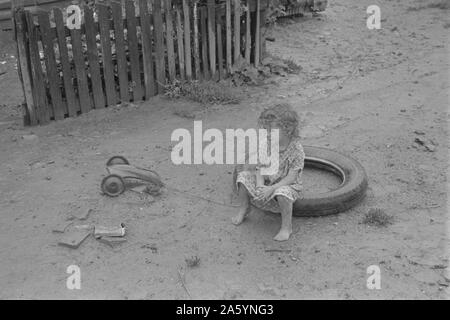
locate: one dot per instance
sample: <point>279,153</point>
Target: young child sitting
<point>277,192</point>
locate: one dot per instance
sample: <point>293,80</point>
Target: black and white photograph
<point>240,152</point>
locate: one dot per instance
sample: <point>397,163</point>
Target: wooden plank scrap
<point>74,238</point>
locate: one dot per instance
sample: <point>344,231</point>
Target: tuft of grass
<point>293,67</point>
<point>184,114</point>
<point>192,262</point>
<point>378,218</point>
<point>205,92</point>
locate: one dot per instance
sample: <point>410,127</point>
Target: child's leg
<point>244,200</point>
<point>286,218</point>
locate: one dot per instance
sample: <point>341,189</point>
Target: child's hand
<point>259,179</point>
<point>264,193</point>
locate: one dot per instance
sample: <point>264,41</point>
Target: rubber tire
<point>346,196</point>
<point>104,185</point>
<point>116,160</point>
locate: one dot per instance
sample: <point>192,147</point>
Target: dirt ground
<point>368,93</point>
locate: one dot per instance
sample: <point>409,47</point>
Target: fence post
<point>147,45</point>
<point>38,82</point>
<point>158,26</point>
<point>71,99</point>
<point>52,73</point>
<point>258,33</point>
<point>228,34</point>
<point>237,30</point>
<point>180,45</point>
<point>23,64</point>
<point>169,39</point>
<point>205,64</point>
<point>248,38</point>
<point>92,55</point>
<point>133,50</point>
<point>220,49</point>
<point>196,44</point>
<point>122,64</point>
<point>187,39</point>
<point>264,8</point>
<point>212,36</point>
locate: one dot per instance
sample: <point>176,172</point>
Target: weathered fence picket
<point>80,68</point>
<point>196,41</point>
<point>205,62</point>
<point>121,59</point>
<point>105,40</point>
<point>169,40</point>
<point>187,39</point>
<point>147,50</point>
<point>133,49</point>
<point>92,53</point>
<point>212,36</point>
<point>220,50</point>
<point>122,53</point>
<point>180,43</point>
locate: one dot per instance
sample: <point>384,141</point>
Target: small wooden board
<point>74,238</point>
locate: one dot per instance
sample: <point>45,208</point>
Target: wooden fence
<point>300,7</point>
<point>126,52</point>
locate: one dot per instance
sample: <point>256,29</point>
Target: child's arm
<point>289,179</point>
<point>268,190</point>
<point>259,178</point>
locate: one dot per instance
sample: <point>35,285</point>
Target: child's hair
<point>283,115</point>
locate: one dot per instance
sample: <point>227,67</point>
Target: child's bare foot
<point>239,218</point>
<point>283,235</point>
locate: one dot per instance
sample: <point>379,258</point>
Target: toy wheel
<point>113,185</point>
<point>116,160</point>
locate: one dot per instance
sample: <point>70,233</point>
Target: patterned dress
<point>292,158</point>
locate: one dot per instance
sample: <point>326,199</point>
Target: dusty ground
<point>363,92</point>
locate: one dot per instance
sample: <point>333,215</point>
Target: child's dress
<point>292,158</point>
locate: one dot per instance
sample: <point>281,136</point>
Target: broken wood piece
<point>277,250</point>
<point>62,226</point>
<point>74,238</point>
<point>86,227</point>
<point>112,241</point>
<point>100,231</point>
